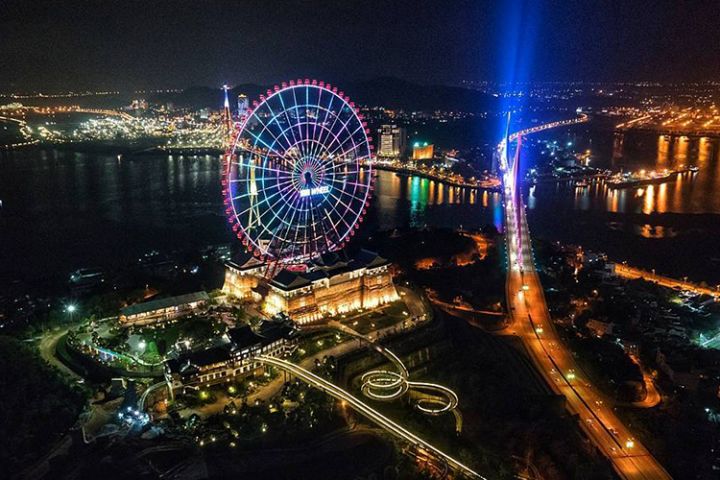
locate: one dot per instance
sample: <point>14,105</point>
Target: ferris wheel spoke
<point>350,138</point>
<point>341,215</point>
<point>285,237</point>
<point>337,115</point>
<point>328,111</point>
<point>317,144</point>
<point>296,108</point>
<point>259,137</point>
<point>266,225</point>
<point>287,119</point>
<point>280,127</point>
<point>265,198</point>
<point>343,127</point>
<point>340,218</point>
<point>269,147</point>
<point>349,194</point>
<point>298,129</point>
<point>273,228</point>
<point>315,223</point>
<point>265,168</point>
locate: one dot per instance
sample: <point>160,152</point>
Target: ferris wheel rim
<point>353,202</point>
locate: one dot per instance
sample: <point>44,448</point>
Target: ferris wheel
<point>297,179</point>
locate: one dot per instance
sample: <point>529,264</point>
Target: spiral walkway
<point>387,385</point>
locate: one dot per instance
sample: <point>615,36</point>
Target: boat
<point>642,177</point>
<point>582,183</point>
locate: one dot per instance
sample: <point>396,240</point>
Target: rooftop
<point>327,266</point>
<point>161,303</point>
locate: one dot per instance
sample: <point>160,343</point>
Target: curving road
<point>531,321</point>
<point>370,413</point>
<point>383,385</point>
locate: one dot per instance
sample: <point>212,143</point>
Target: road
<point>369,413</point>
<point>653,397</point>
<point>47,346</point>
<point>531,321</point>
<point>625,271</point>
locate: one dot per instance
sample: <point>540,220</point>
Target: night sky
<point>61,45</point>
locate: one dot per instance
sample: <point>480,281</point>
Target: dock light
<point>571,375</point>
<point>70,308</point>
<point>526,287</point>
<point>630,443</point>
<point>538,330</point>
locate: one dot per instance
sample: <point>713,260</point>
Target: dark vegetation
<point>481,283</point>
<point>37,405</point>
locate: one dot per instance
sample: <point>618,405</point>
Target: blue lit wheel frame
<point>297,178</point>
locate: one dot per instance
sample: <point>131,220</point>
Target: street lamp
<point>71,310</point>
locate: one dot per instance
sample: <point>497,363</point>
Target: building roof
<point>161,303</point>
<point>243,337</point>
<point>327,266</point>
<point>370,259</point>
<point>245,261</point>
<point>200,358</point>
<point>273,330</point>
<point>288,280</point>
<point>240,339</point>
<point>267,332</point>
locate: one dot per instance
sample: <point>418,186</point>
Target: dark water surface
<point>63,210</point>
<point>673,227</point>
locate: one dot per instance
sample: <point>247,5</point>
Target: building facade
<point>391,141</point>
<point>330,286</point>
<point>423,151</point>
<point>235,357</point>
<point>161,310</point>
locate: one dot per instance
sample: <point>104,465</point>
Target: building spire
<point>227,101</point>
<point>227,118</point>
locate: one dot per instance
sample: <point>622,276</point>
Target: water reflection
<point>663,151</point>
<point>416,201</point>
<point>691,192</point>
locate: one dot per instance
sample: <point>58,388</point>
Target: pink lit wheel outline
<point>297,179</point>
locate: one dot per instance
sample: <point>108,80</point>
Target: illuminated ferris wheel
<point>297,179</point>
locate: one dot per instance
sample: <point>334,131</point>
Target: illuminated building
<point>422,151</point>
<point>330,285</point>
<point>391,141</point>
<point>227,117</point>
<point>164,309</point>
<point>242,102</point>
<point>233,357</point>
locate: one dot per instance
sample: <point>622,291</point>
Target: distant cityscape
<point>462,251</point>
